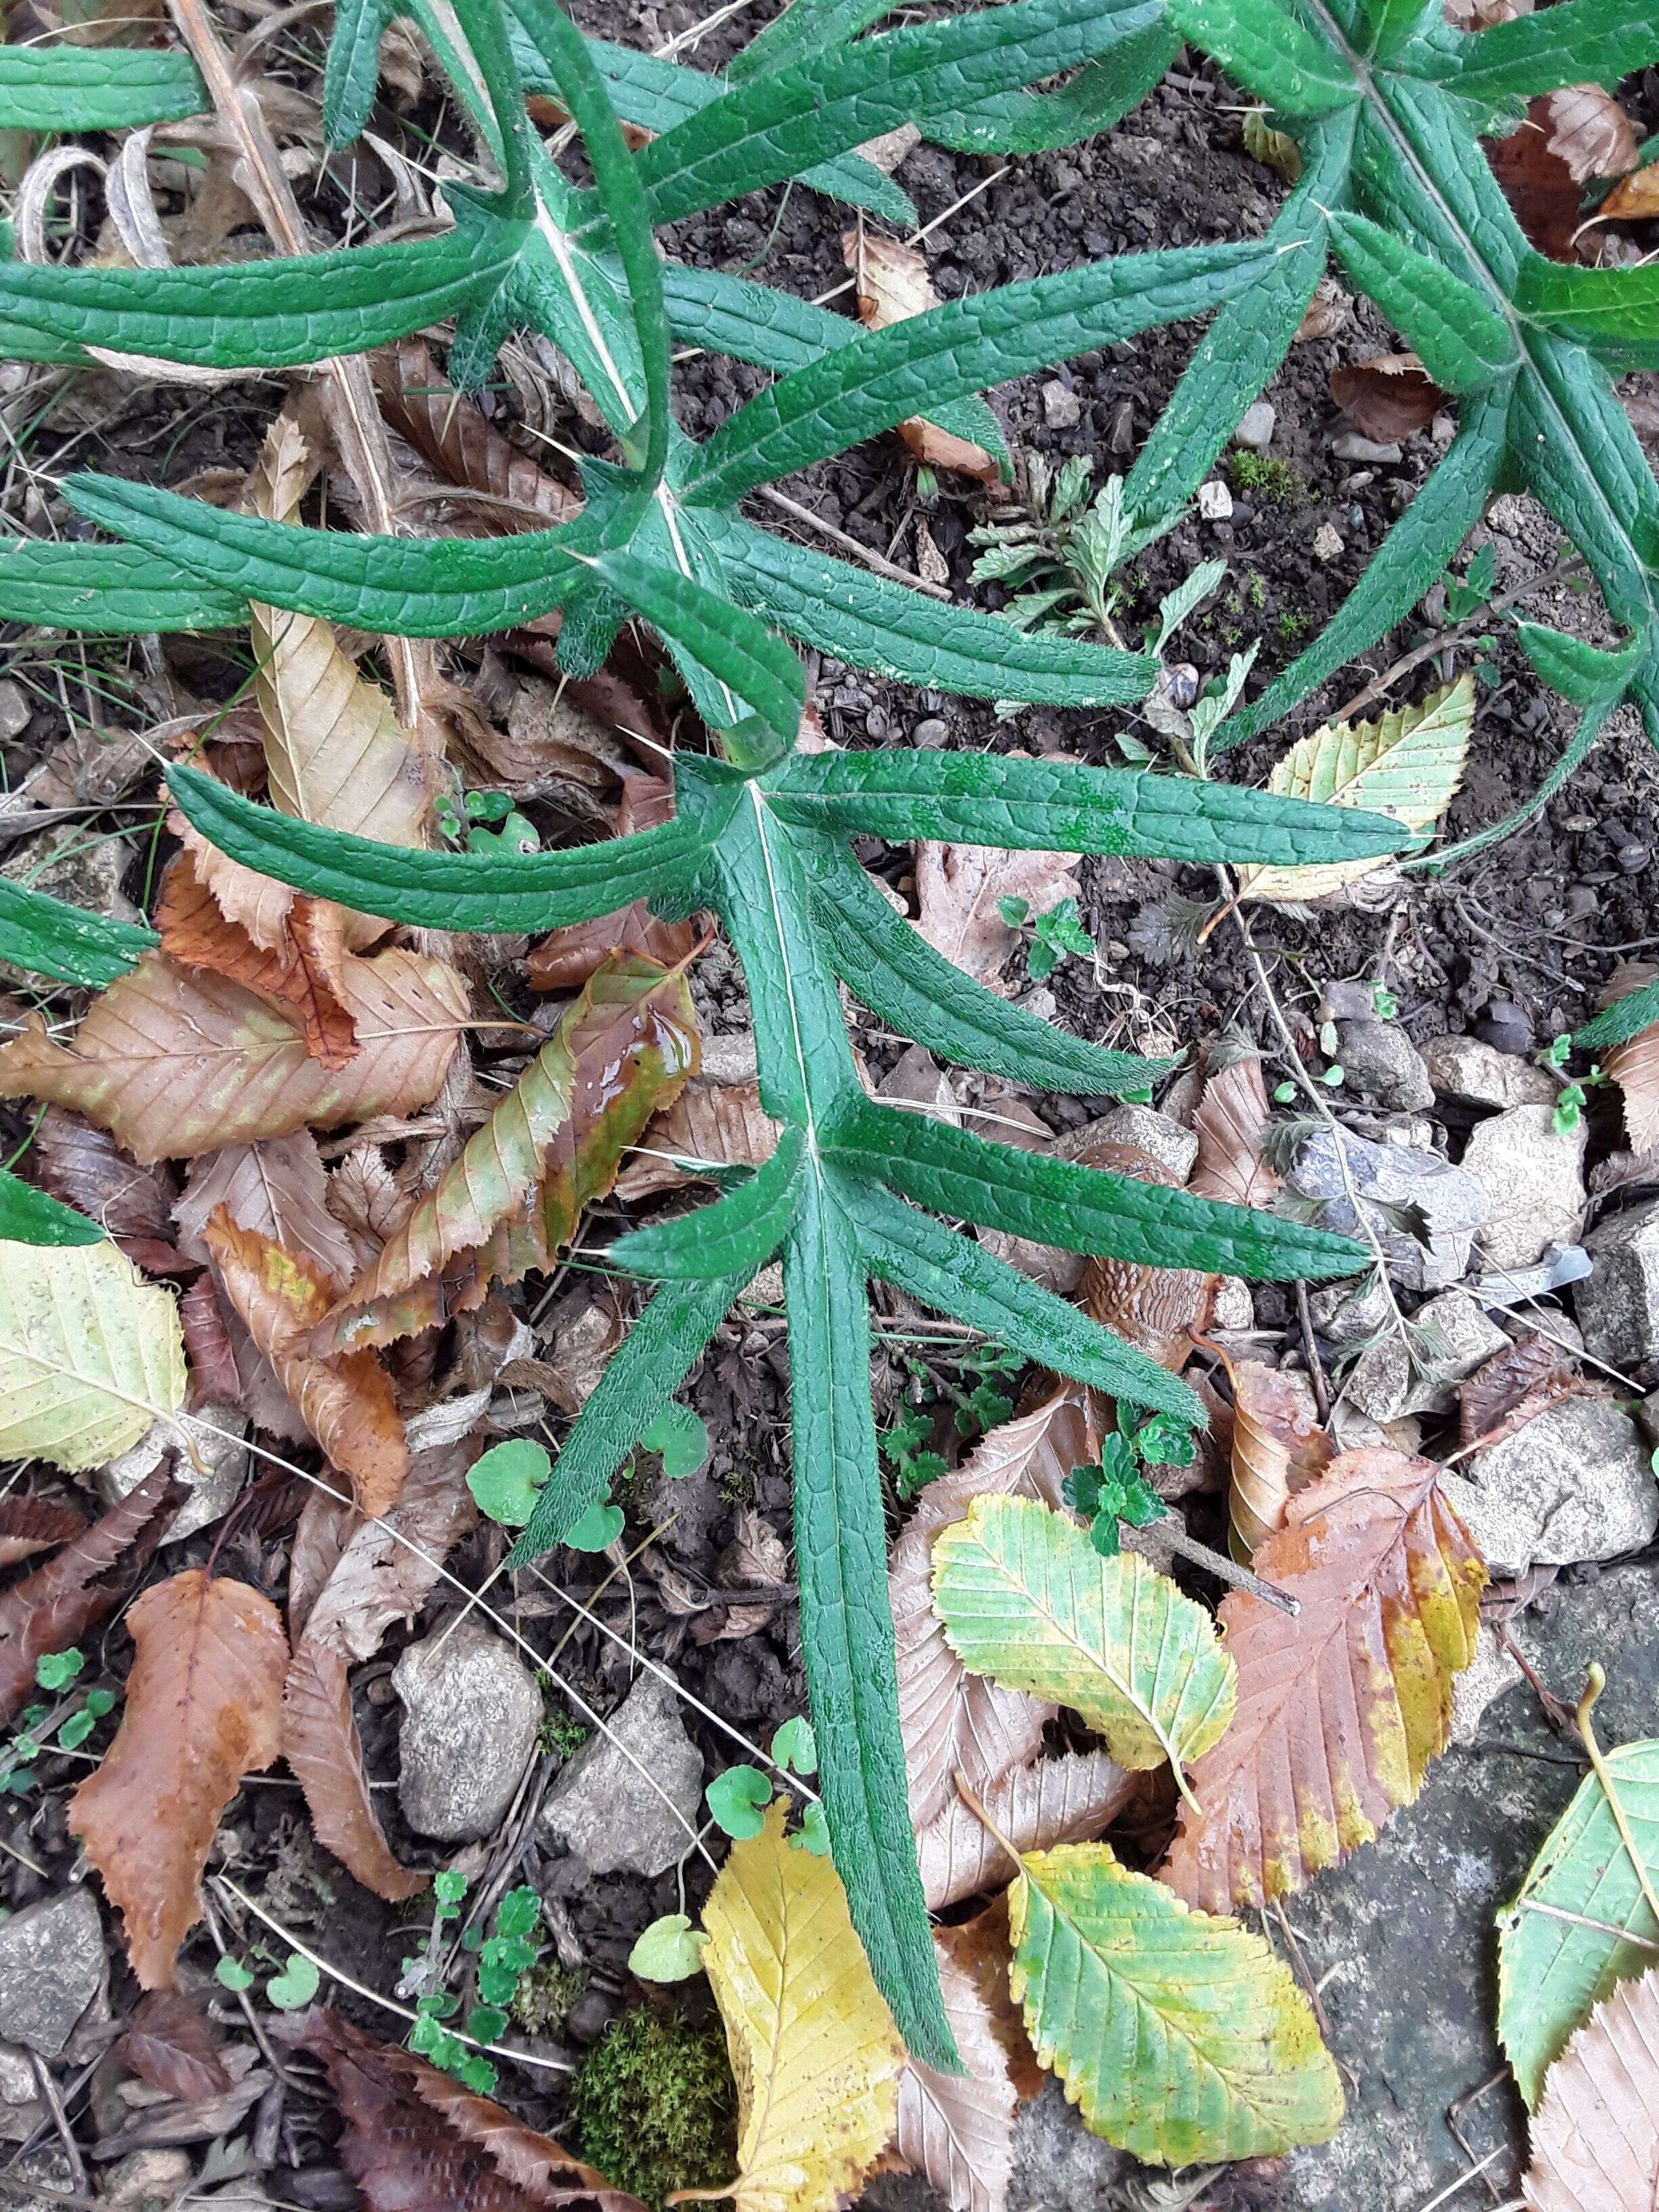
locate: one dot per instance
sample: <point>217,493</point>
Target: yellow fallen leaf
<point>90,1354</point>
<point>1408,764</point>
<point>814,2051</point>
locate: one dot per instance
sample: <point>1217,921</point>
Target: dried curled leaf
<point>1228,1121</point>
<point>571,956</point>
<point>171,2045</point>
<point>814,2051</point>
<point>1278,1448</point>
<point>453,437</point>
<point>1179,2038</point>
<point>1390,398</point>
<point>87,1170</point>
<point>383,1570</point>
<point>893,284</point>
<point>1025,1598</point>
<point>176,1061</point>
<point>1633,1064</point>
<point>53,1607</point>
<point>721,1124</point>
<point>1568,136</point>
<point>952,1719</point>
<point>1158,1309</point>
<point>958,2129</point>
<point>202,1708</point>
<point>1408,764</point>
<point>320,1744</point>
<point>1511,1385</point>
<point>513,1199</point>
<point>90,1354</point>
<point>415,2141</point>
<point>303,974</point>
<point>278,1188</point>
<point>346,1402</point>
<point>28,1525</point>
<point>1595,2136</point>
<point>1341,1708</point>
<point>1068,1800</point>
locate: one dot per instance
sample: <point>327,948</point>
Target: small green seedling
<point>507,1480</point>
<point>794,1746</point>
<point>296,1985</point>
<point>1053,935</point>
<point>737,1799</point>
<point>679,1437</point>
<point>669,1950</point>
<point>596,1529</point>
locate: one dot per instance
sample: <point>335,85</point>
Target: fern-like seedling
<point>761,833</point>
<point>1061,562</point>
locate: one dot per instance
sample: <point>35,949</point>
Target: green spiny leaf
<point>28,1216</point>
<point>1579,42</point>
<point>105,588</point>
<point>737,1235</point>
<point>1264,47</point>
<point>1463,344</point>
<point>51,938</point>
<point>95,88</point>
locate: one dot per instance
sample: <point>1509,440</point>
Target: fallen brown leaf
<point>722,1123</point>
<point>28,1525</point>
<point>1228,1122</point>
<point>571,956</point>
<point>1634,1065</point>
<point>451,436</point>
<point>1596,2135</point>
<point>415,2141</point>
<point>1634,198</point>
<point>957,887</point>
<point>1568,137</point>
<point>514,1198</point>
<point>176,1062</point>
<point>87,1170</point>
<point>1068,1800</point>
<point>53,1607</point>
<point>305,975</point>
<point>171,2045</point>
<point>952,1719</point>
<point>320,1744</point>
<point>1390,398</point>
<point>346,1401</point>
<point>1341,1708</point>
<point>1278,1448</point>
<point>215,1378</point>
<point>1530,1372</point>
<point>386,1569</point>
<point>958,2129</point>
<point>278,1188</point>
<point>203,1708</point>
<point>892,285</point>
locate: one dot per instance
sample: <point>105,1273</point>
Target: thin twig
<point>1479,620</point>
<point>877,562</point>
<point>1169,1528</point>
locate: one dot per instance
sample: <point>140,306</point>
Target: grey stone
<point>1478,1074</point>
<point>1328,543</point>
<point>1381,1062</point>
<point>1400,1938</point>
<point>1618,1304</point>
<point>470,1713</point>
<point>1574,1484</point>
<point>729,1058</point>
<point>1456,1338</point>
<point>1256,426</point>
<point>1062,408</point>
<point>1215,501</point>
<point>1173,1147</point>
<point>65,867</point>
<point>1396,1183</point>
<point>51,1964</point>
<point>1534,1174</point>
<point>217,1432</point>
<point>1234,1308</point>
<point>629,1801</point>
<point>1351,446</point>
<point>1343,1314</point>
<point>152,2177</point>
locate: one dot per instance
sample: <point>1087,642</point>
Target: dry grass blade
<point>1228,1121</point>
<point>174,1063</point>
<point>451,436</point>
<point>305,974</point>
<point>54,1606</point>
<point>171,2047</point>
<point>1596,2135</point>
<point>1341,1708</point>
<point>513,1199</point>
<point>1278,1448</point>
<point>1068,1800</point>
<point>1158,1309</point>
<point>202,1708</point>
<point>957,2129</point>
<point>345,1402</point>
<point>723,1124</point>
<point>279,1188</point>
<point>951,1719</point>
<point>320,1744</point>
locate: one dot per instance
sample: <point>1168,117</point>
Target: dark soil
<point>1514,943</point>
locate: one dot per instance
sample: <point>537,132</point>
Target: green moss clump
<point>545,1995</point>
<point>1270,481</point>
<point>654,2107</point>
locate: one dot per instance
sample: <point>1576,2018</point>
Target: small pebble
<point>1327,544</point>
<point>932,733</point>
<point>1255,426</point>
<point>1062,408</point>
<point>1215,501</point>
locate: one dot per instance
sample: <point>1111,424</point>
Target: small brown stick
<point>54,2104</point>
<point>1173,1530</point>
<point>1322,1388</point>
<point>1479,620</point>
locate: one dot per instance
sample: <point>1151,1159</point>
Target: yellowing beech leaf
<point>1340,1708</point>
<point>1179,2037</point>
<point>1025,1598</point>
<point>814,2051</point>
<point>203,1708</point>
<point>90,1354</point>
<point>334,750</point>
<point>346,1400</point>
<point>175,1061</point>
<point>1279,1446</point>
<point>1595,2136</point>
<point>1409,765</point>
<point>622,1049</point>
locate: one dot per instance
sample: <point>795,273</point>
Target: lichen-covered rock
<point>470,1713</point>
<point>51,1963</point>
<point>627,1801</point>
<point>1617,1303</point>
<point>1574,1484</point>
<point>1533,1175</point>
